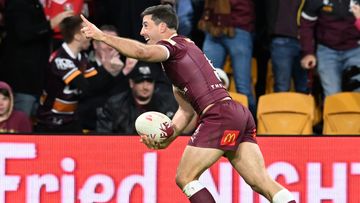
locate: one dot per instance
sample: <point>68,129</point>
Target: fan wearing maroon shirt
<point>11,121</point>
<point>226,127</point>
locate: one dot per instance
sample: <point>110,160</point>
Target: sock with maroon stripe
<point>202,196</point>
<point>197,193</point>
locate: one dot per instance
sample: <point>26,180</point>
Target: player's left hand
<point>91,31</point>
<point>152,144</point>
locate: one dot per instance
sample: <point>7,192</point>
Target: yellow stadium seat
<point>285,113</point>
<point>342,114</point>
<point>241,98</point>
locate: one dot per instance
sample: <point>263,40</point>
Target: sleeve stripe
<point>307,17</point>
<point>61,106</point>
<point>71,75</point>
<point>172,42</point>
<point>90,73</point>
<point>167,51</point>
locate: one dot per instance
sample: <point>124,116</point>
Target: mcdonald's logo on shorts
<point>229,137</point>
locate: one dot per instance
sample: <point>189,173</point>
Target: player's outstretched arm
<point>128,47</point>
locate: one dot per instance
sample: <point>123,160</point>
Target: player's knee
<point>181,180</point>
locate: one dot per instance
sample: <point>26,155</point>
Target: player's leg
<point>249,163</point>
<point>194,162</point>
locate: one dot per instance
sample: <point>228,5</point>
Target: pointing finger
<point>85,20</point>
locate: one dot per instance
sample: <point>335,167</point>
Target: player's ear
<point>162,27</point>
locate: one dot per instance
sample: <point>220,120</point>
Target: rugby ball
<point>154,125</point>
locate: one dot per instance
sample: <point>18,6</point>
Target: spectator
<point>70,78</point>
<point>351,78</point>
<point>120,111</point>
<point>27,50</point>
<point>103,58</point>
<point>261,52</point>
<point>185,12</point>
<point>329,40</point>
<point>228,27</point>
<point>285,45</point>
<point>11,121</point>
<point>355,9</point>
<point>54,7</point>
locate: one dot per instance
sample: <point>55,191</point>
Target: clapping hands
<point>111,61</point>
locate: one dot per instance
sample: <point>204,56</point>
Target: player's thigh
<point>195,160</point>
<point>249,163</point>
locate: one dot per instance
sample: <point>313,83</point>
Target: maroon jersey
<point>190,71</point>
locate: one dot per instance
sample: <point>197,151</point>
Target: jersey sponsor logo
<point>67,90</point>
<point>229,137</point>
<point>57,121</point>
<point>64,64</point>
<point>215,86</point>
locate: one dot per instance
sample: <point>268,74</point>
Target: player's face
<point>150,31</point>
<point>143,90</point>
<point>4,104</point>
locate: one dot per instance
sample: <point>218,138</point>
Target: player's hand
<point>91,31</point>
<point>152,144</point>
<point>308,61</point>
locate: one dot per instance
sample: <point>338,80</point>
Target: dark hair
<point>5,92</point>
<point>69,27</point>
<point>162,13</point>
<point>109,28</point>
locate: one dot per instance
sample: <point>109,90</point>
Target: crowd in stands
<point>54,80</point>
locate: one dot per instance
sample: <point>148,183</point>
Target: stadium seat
<point>241,98</point>
<point>342,114</point>
<point>285,113</point>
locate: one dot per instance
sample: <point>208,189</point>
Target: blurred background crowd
<point>54,80</point>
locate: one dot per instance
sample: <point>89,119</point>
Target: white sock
<point>193,187</point>
<point>283,196</point>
